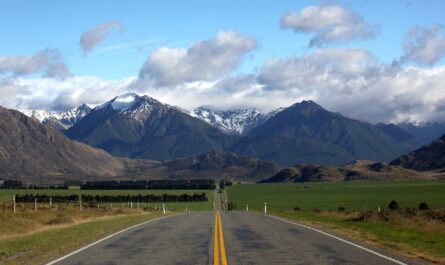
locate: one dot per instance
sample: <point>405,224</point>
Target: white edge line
<point>105,238</point>
<point>340,239</point>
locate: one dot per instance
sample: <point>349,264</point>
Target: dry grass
<point>39,237</point>
<point>25,223</point>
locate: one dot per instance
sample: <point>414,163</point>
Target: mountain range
<point>141,127</point>
<point>36,153</point>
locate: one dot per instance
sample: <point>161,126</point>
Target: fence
<point>34,204</point>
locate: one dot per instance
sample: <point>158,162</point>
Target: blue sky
<point>253,54</point>
<point>29,26</point>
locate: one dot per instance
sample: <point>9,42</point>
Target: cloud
<point>97,34</point>
<point>205,60</point>
<point>48,61</point>
<point>329,23</point>
<point>424,46</point>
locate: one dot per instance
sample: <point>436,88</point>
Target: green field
<point>332,195</point>
<point>6,196</point>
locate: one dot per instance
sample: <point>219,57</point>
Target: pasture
<point>332,195</point>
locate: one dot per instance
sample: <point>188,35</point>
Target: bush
<point>341,209</point>
<point>411,211</point>
<point>423,206</point>
<point>297,209</point>
<point>363,215</point>
<point>393,205</point>
<point>317,210</point>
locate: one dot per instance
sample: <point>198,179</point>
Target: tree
<point>393,205</point>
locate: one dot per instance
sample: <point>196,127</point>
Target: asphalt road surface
<point>248,238</point>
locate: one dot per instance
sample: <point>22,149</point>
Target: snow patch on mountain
<point>59,120</point>
<point>238,121</point>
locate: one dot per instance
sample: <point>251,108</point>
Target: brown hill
<point>429,157</point>
<point>359,170</point>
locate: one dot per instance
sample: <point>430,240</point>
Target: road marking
<point>215,242</point>
<point>105,238</point>
<point>340,239</point>
<point>221,241</point>
<point>218,242</point>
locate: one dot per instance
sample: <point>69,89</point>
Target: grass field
<point>331,195</point>
<point>6,196</point>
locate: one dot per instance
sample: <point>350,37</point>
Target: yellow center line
<point>221,241</point>
<point>218,242</point>
<point>215,242</point>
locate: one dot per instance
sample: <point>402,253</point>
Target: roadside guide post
<point>265,207</point>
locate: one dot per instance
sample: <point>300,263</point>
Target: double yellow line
<point>218,242</point>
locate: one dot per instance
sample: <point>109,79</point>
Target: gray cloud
<point>97,34</point>
<point>205,60</point>
<point>329,23</point>
<point>424,46</point>
<point>48,61</point>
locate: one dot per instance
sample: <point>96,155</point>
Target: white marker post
<point>50,202</point>
<point>186,209</point>
<point>163,208</point>
<point>138,205</point>
<point>131,205</point>
<point>265,207</point>
<point>247,207</point>
<point>80,202</point>
<point>13,204</point>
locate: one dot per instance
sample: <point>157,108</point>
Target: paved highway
<point>222,237</point>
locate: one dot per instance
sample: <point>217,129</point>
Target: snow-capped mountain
<point>59,120</point>
<point>237,121</point>
<point>424,132</point>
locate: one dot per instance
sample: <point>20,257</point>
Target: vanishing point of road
<point>226,237</point>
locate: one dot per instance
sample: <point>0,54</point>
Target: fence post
<point>80,202</point>
<point>131,204</point>
<point>35,204</point>
<point>265,207</point>
<point>138,205</point>
<point>163,208</point>
<point>247,207</point>
<point>13,204</point>
<point>50,202</point>
<point>98,207</point>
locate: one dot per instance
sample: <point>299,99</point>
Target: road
<point>248,238</point>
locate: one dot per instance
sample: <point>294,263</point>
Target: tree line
<point>165,184</point>
<point>161,184</point>
<point>195,197</point>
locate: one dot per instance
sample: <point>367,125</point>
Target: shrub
<point>341,209</point>
<point>363,215</point>
<point>423,206</point>
<point>297,209</point>
<point>317,210</point>
<point>411,211</point>
<point>393,205</point>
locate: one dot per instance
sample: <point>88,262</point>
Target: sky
<point>377,61</point>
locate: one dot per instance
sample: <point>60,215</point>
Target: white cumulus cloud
<point>329,23</point>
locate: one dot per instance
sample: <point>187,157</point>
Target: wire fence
<point>34,204</point>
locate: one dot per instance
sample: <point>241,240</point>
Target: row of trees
<point>167,184</point>
<point>196,197</point>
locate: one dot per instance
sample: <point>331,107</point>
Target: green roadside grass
<point>422,239</point>
<point>46,245</point>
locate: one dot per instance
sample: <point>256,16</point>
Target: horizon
<point>371,61</point>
